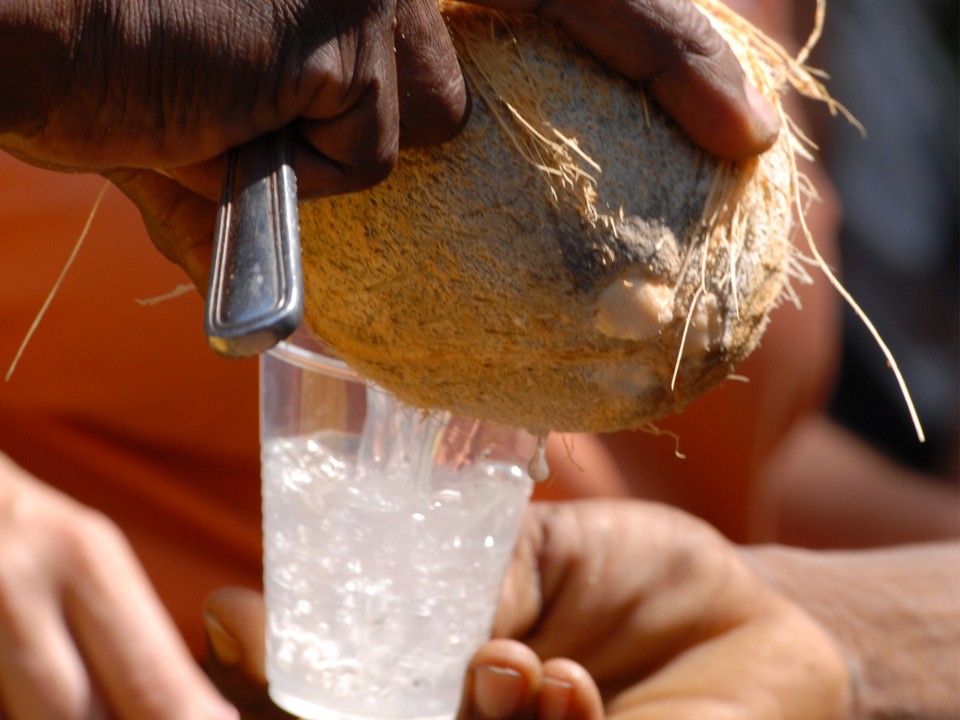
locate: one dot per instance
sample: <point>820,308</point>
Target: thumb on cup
<point>234,620</point>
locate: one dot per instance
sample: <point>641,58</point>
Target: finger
<point>41,672</point>
<point>503,682</point>
<point>349,130</point>
<point>234,623</point>
<point>568,692</point>
<point>352,151</point>
<point>433,100</point>
<point>687,67</point>
<point>521,595</point>
<point>141,665</point>
<point>180,223</point>
<point>701,85</point>
<point>204,178</point>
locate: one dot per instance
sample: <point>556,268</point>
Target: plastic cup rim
<point>310,360</point>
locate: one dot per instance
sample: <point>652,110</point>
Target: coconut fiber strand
<point>571,261</point>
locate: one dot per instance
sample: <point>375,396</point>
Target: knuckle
<point>44,539</point>
<point>152,688</point>
<point>373,163</point>
<point>91,538</point>
<point>18,575</point>
<point>379,167</point>
<point>437,118</point>
<point>680,35</point>
<point>697,36</point>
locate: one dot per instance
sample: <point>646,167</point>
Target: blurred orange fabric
<point>122,405</point>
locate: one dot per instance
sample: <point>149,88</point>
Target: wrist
<point>797,576</point>
<point>893,613</point>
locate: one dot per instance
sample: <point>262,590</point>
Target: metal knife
<point>255,296</point>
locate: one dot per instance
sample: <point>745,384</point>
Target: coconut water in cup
<point>385,547</point>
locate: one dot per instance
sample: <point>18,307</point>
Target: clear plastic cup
<point>387,534</point>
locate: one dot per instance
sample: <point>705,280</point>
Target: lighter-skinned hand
<point>611,608</point>
<point>627,609</point>
<point>83,636</point>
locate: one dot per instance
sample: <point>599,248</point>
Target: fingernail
<point>555,699</point>
<point>766,116</point>
<point>222,643</point>
<point>498,692</point>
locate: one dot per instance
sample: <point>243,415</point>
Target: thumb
<point>674,50</point>
<point>180,222</point>
<point>234,622</point>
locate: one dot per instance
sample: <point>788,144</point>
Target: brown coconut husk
<point>572,261</point>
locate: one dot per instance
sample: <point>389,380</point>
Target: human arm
<point>896,613</point>
<point>874,500</point>
<point>81,631</point>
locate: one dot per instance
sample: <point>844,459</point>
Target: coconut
<point>571,261</point>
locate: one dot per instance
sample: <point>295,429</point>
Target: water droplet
<point>538,469</point>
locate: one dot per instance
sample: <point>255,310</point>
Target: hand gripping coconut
<point>571,261</point>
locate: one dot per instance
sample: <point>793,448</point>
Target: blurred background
<point>893,64</point>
